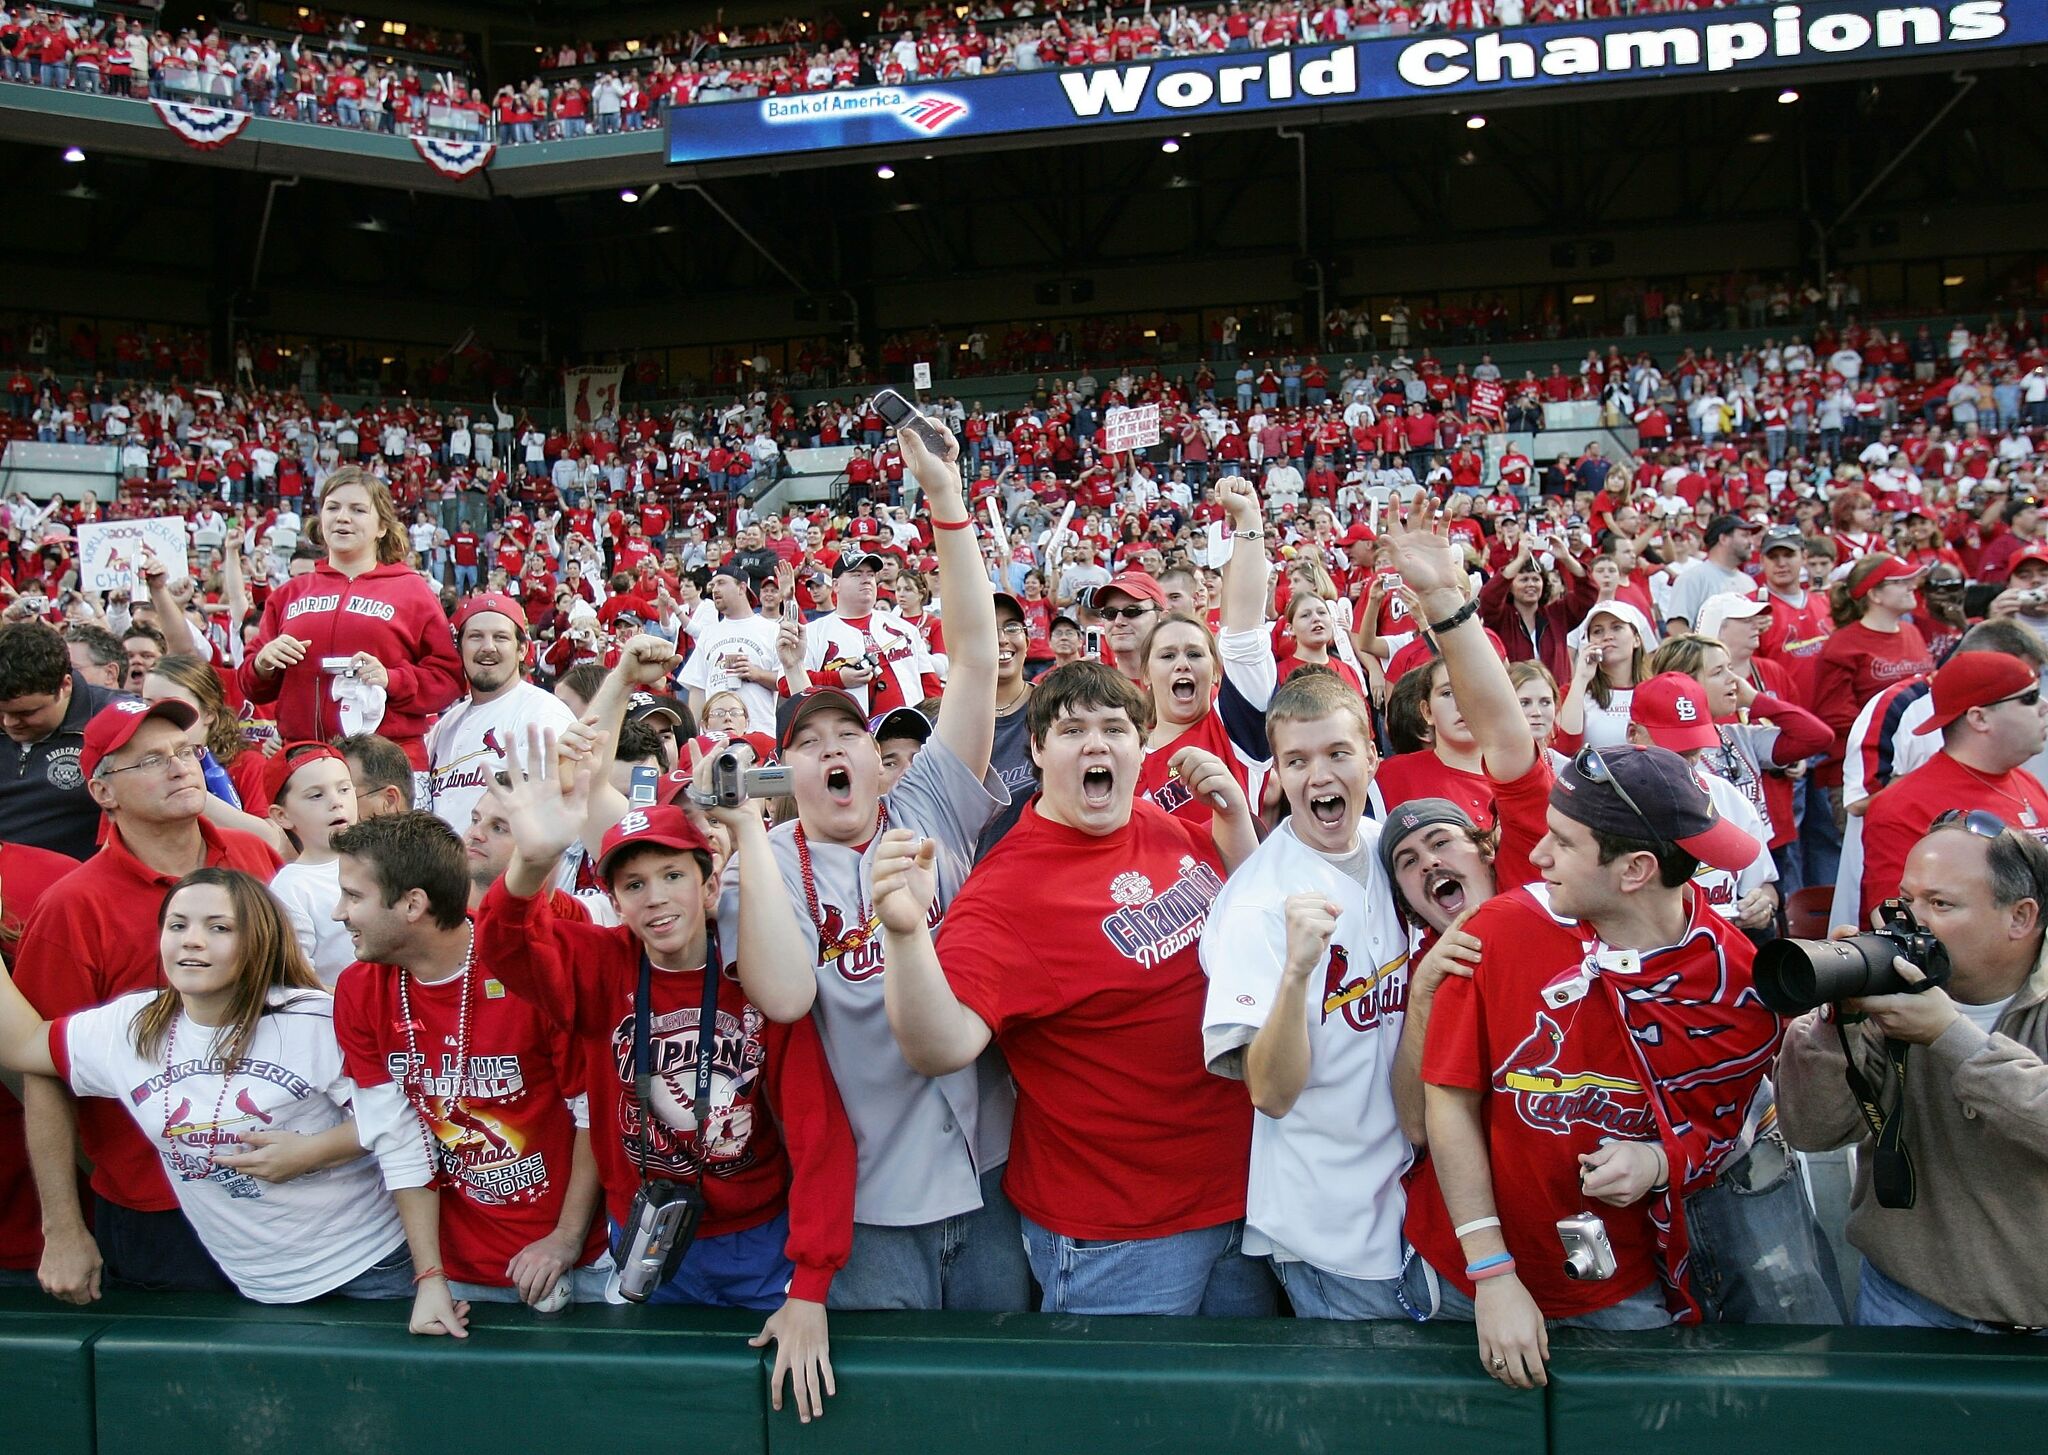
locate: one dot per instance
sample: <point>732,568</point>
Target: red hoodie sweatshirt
<point>388,612</point>
<point>779,1134</point>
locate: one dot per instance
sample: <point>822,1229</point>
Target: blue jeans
<point>1316,1293</point>
<point>465,578</point>
<point>972,1261</point>
<point>1885,1303</point>
<point>747,1269</point>
<point>1758,1256</point>
<point>1820,837</point>
<point>1425,1288</point>
<point>1202,1271</point>
<point>389,1277</point>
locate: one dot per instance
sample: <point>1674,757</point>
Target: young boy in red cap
<point>765,1140</point>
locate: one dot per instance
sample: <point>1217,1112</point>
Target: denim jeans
<point>1202,1271</point>
<point>972,1261</point>
<point>747,1269</point>
<point>1820,837</point>
<point>1758,1256</point>
<point>1317,1293</point>
<point>1885,1303</point>
<point>1425,1288</point>
<point>389,1277</point>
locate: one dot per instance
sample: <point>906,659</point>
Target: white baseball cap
<point>1725,606</point>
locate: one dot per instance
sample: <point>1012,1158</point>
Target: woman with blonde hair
<point>359,643</point>
<point>235,1049</point>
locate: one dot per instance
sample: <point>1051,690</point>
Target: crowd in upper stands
<point>635,81</point>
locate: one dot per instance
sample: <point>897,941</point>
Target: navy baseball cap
<point>1650,794</point>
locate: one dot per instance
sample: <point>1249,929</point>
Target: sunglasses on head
<point>1980,821</point>
<point>1125,613</point>
<point>1590,766</point>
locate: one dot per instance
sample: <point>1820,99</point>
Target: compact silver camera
<point>1588,1256</point>
<point>338,666</point>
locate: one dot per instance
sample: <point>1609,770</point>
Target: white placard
<point>107,551</point>
<point>1131,429</point>
<point>920,375</point>
<point>1221,544</point>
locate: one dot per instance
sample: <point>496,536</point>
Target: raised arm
<point>968,724</point>
<point>1244,574</point>
<point>1432,565</point>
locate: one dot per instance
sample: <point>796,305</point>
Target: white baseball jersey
<point>1325,1184</point>
<point>1722,889</point>
<point>468,745</point>
<point>834,641</point>
<point>752,639</point>
<point>281,1242</point>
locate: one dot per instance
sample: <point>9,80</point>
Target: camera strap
<point>1891,1165</point>
<point>707,1045</point>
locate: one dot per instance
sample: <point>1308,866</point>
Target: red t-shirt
<point>1425,775</point>
<point>1080,952</point>
<point>505,1136</point>
<point>1854,665</point>
<point>778,1136</point>
<point>1899,814</point>
<point>93,939</point>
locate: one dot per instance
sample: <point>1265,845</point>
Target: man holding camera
<point>1582,1084</point>
<point>1952,1152</point>
<point>876,656</point>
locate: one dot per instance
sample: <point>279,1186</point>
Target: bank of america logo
<point>933,114</point>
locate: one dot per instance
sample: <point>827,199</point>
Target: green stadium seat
<point>46,1376</point>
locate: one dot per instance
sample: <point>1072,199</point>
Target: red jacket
<point>388,612</point>
<point>781,1139</point>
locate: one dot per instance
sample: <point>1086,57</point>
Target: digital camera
<point>1795,976</point>
<point>658,1230</point>
<point>732,785</point>
<point>1588,1255</point>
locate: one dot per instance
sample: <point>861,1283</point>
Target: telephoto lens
<point>1796,976</point>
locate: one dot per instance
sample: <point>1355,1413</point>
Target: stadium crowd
<point>254,72</point>
<point>1318,859</point>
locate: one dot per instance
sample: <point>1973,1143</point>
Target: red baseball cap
<point>1672,709</point>
<point>2036,552</point>
<point>113,725</point>
<point>1890,568</point>
<point>662,827</point>
<point>1975,679</point>
<point>288,759</point>
<point>1360,534</point>
<point>1138,585</point>
<point>484,601</point>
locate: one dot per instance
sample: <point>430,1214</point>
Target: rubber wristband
<point>1497,1260</point>
<point>1457,618</point>
<point>952,525</point>
<point>1497,1270</point>
<point>1474,1226</point>
<point>434,1272</point>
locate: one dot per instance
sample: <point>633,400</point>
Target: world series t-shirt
<point>280,1242</point>
<point>1325,1178</point>
<point>1080,953</point>
<point>502,1127</point>
<point>1234,729</point>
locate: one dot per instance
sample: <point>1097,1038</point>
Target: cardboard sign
<point>921,375</point>
<point>107,550</point>
<point>1131,429</point>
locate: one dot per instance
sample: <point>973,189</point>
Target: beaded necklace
<point>417,1096</point>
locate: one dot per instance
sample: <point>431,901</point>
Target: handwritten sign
<point>107,550</point>
<point>1131,429</point>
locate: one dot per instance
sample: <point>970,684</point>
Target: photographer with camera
<point>1952,1150</point>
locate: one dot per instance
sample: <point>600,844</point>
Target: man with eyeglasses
<point>93,937</point>
<point>1987,708</point>
<point>44,708</point>
<point>1964,1255</point>
<point>1592,1073</point>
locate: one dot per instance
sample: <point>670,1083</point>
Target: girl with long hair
<point>1612,646</point>
<point>234,768</point>
<point>243,1095</point>
<point>1872,646</point>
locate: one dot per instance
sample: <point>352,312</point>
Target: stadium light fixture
<point>1475,123</point>
<point>627,194</point>
<point>1787,96</point>
<point>1953,280</point>
<point>1169,146</point>
<point>1760,137</point>
<point>885,171</point>
<point>1580,300</point>
<point>74,154</point>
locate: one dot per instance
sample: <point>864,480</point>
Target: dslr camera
<point>1795,976</point>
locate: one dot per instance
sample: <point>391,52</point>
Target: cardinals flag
<point>204,128</point>
<point>455,159</point>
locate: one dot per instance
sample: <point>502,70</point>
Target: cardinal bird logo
<point>1551,1100</point>
<point>491,742</point>
<point>246,1104</point>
